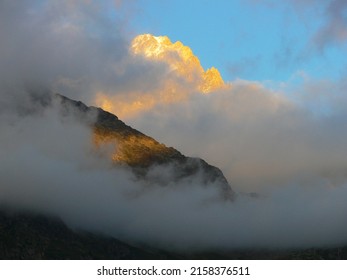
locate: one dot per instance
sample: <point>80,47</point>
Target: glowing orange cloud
<point>185,76</point>
<point>181,60</point>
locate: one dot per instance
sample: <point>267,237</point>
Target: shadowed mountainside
<point>33,236</point>
<point>29,236</point>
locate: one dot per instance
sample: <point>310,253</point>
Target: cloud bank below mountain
<point>263,140</point>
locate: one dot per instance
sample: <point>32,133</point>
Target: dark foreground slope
<point>32,236</point>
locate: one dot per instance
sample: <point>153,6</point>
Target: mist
<point>271,141</point>
<point>48,165</point>
<point>265,141</point>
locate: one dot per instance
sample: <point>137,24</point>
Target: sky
<point>255,40</point>
<point>271,115</point>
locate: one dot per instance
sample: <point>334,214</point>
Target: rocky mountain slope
<point>140,152</point>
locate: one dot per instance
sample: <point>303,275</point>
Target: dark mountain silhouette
<point>34,236</point>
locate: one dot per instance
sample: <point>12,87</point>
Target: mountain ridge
<point>141,152</point>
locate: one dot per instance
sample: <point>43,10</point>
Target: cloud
<point>181,74</point>
<point>263,141</point>
<point>54,169</point>
<point>307,39</point>
<point>73,47</point>
<point>259,139</point>
<point>334,32</point>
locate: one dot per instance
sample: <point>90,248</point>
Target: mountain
<point>35,236</point>
<point>140,152</point>
<point>28,235</point>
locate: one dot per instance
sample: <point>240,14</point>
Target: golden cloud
<point>184,76</point>
<point>181,60</point>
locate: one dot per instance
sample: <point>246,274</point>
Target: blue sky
<point>254,39</point>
